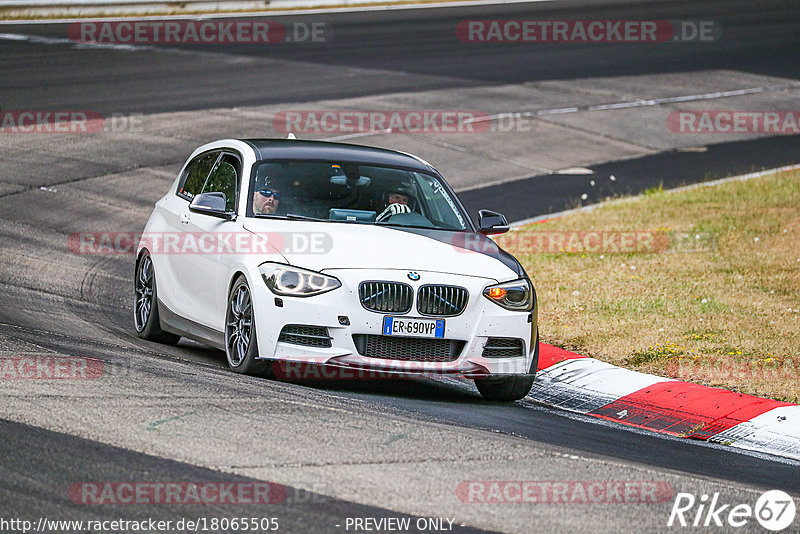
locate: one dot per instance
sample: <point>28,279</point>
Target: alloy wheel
<point>238,325</point>
<point>143,288</point>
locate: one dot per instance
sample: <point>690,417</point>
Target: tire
<point>145,304</point>
<point>241,344</point>
<point>509,388</point>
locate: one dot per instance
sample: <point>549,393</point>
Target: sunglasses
<point>270,193</point>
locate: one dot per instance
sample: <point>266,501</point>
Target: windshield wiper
<point>289,216</point>
<point>398,225</point>
<point>296,217</point>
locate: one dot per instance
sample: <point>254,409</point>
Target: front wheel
<point>145,304</point>
<point>509,388</point>
<point>241,345</point>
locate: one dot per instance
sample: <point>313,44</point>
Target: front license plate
<point>412,327</point>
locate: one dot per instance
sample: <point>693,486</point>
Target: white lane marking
<point>38,39</point>
<point>556,111</point>
<point>627,104</point>
<point>604,107</point>
<point>358,134</point>
<point>618,105</point>
<point>574,170</point>
<point>81,45</point>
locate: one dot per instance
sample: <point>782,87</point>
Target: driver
<point>268,187</point>
<point>399,200</point>
<point>266,199</point>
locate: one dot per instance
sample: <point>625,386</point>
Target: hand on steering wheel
<point>392,209</point>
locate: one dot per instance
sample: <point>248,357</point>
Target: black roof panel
<point>324,150</point>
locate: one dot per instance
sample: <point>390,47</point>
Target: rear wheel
<point>145,307</point>
<point>509,388</point>
<point>241,345</point>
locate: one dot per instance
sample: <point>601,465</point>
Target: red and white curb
<point>584,385</point>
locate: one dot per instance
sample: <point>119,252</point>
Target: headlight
<point>517,295</point>
<point>294,282</point>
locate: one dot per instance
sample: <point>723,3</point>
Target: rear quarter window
<point>224,178</point>
<point>194,177</point>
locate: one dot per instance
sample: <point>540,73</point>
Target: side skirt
<point>174,323</point>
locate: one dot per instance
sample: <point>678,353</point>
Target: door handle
<point>184,218</point>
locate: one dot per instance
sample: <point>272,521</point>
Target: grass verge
<point>707,289</point>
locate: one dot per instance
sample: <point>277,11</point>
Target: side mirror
<point>211,204</point>
<point>491,222</point>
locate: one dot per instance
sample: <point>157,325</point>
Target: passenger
<point>399,200</point>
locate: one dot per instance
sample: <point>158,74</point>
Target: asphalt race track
<point>340,449</point>
<point>412,50</point>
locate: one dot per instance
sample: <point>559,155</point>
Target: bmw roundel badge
<point>413,276</point>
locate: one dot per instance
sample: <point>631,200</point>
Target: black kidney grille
<point>503,347</point>
<point>386,296</point>
<point>408,348</point>
<point>310,336</point>
<point>442,301</point>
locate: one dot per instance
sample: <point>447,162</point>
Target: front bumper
<point>480,320</point>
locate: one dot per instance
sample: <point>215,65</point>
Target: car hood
<point>321,246</point>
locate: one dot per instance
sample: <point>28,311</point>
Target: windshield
<point>347,192</point>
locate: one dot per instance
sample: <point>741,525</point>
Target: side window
<point>195,175</point>
<point>224,178</point>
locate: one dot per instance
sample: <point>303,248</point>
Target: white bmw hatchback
<point>302,252</point>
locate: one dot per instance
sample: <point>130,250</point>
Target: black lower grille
<point>503,347</point>
<point>408,348</point>
<point>310,336</point>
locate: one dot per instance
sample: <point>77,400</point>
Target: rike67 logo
<point>774,510</point>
